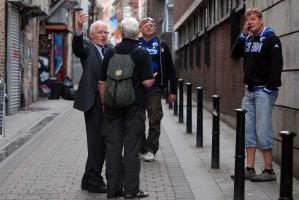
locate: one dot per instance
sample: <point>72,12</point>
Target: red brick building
<point>206,32</point>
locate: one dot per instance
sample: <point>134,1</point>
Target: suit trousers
<point>95,144</point>
<point>123,129</point>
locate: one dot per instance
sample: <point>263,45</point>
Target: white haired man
<point>124,125</point>
<point>88,100</point>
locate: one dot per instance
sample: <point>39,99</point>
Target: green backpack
<point>119,89</point>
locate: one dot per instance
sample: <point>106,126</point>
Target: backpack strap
<point>114,50</point>
<point>134,50</point>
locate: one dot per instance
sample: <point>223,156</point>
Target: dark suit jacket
<point>91,62</point>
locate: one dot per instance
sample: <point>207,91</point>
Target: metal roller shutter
<point>13,59</point>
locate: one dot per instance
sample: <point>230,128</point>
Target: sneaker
<point>264,177</point>
<point>138,195</point>
<point>248,174</point>
<point>141,156</point>
<point>149,157</point>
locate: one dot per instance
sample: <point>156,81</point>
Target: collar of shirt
<point>99,48</point>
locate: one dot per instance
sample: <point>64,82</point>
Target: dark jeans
<point>95,144</point>
<point>122,131</point>
<point>155,114</point>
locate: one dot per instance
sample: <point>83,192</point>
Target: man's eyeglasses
<point>102,32</point>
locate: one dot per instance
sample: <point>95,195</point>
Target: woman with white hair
<point>124,126</point>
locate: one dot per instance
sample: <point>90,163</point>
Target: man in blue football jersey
<point>164,71</point>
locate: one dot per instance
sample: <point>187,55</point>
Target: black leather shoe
<point>84,186</point>
<point>94,188</point>
<point>97,189</point>
<point>116,195</point>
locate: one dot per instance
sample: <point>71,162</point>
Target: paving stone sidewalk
<point>215,184</point>
<point>50,166</point>
<point>51,163</point>
<point>30,117</point>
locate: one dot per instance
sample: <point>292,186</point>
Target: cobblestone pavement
<point>50,166</point>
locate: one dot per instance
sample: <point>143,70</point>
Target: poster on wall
<point>58,56</point>
<point>44,65</point>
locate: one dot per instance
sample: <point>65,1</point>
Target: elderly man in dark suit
<point>88,100</point>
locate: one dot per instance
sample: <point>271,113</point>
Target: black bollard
<point>181,101</point>
<point>189,108</point>
<point>163,92</point>
<point>175,107</point>
<point>166,94</point>
<point>239,186</point>
<point>286,173</point>
<point>215,132</point>
<point>170,104</point>
<point>199,128</point>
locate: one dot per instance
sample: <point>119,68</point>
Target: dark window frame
<point>207,47</point>
<point>191,55</point>
<point>185,57</point>
<point>198,52</point>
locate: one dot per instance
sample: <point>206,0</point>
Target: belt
<point>255,88</point>
<point>259,87</point>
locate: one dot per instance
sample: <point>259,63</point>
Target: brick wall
<point>2,39</point>
<point>223,76</point>
<point>180,7</point>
